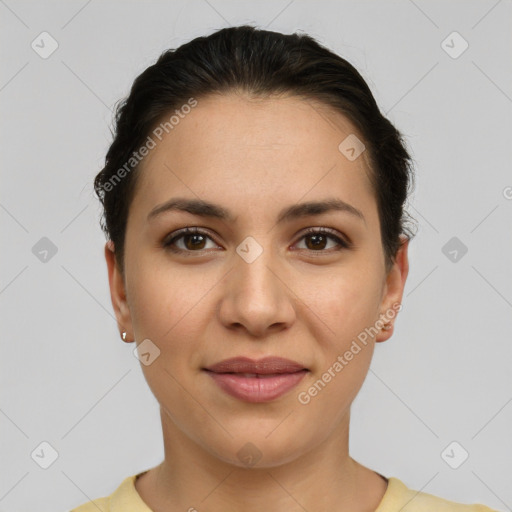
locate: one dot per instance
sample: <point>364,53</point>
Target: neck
<point>324,478</point>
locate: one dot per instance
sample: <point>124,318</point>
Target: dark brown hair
<point>261,63</point>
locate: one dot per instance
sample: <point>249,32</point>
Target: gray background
<point>444,376</point>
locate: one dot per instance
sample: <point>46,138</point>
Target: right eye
<point>187,240</point>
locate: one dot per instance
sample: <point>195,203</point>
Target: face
<point>253,282</point>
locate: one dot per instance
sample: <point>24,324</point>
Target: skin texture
<point>297,300</point>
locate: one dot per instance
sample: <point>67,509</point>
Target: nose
<point>257,297</point>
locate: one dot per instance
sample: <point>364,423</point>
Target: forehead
<point>235,147</point>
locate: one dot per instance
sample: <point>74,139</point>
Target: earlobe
<point>394,289</point>
<point>118,294</point>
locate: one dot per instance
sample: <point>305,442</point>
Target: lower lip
<point>257,389</point>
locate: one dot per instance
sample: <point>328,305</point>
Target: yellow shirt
<point>397,498</point>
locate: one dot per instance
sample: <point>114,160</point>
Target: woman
<point>257,250</point>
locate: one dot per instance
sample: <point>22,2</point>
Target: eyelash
<point>328,232</point>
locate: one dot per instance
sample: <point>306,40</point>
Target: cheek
<point>349,307</point>
<point>168,308</point>
<point>332,391</point>
<point>163,301</point>
<point>345,301</point>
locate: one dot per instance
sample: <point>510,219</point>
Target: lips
<point>265,366</point>
<point>256,381</point>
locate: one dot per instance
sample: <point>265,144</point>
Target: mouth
<point>253,381</point>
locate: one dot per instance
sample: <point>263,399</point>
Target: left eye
<point>194,240</point>
<point>318,239</point>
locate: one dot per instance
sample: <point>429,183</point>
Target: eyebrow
<point>206,209</point>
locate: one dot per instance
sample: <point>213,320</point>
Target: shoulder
<point>124,499</point>
<point>399,497</point>
<point>98,505</point>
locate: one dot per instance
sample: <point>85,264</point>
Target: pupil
<point>320,240</point>
<point>197,241</point>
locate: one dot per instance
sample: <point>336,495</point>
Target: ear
<point>118,293</point>
<point>393,290</point>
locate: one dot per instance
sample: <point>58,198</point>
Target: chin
<point>256,451</point>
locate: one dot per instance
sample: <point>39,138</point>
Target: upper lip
<point>264,366</point>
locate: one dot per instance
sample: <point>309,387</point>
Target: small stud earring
<point>123,336</point>
<point>386,327</point>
